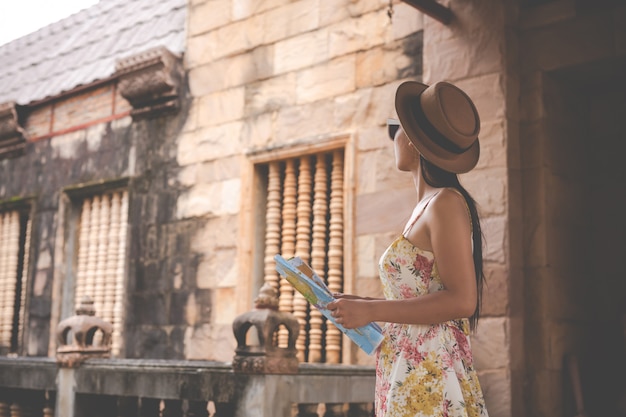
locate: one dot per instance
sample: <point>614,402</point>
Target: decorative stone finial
<point>150,81</point>
<point>267,298</point>
<point>90,336</point>
<point>266,357</point>
<point>12,136</point>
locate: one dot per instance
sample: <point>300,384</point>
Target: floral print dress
<point>422,370</point>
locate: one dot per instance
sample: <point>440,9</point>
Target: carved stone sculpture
<point>266,356</point>
<point>12,138</point>
<point>90,336</point>
<point>150,81</point>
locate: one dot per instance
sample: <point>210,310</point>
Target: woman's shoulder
<point>449,202</point>
<point>449,196</point>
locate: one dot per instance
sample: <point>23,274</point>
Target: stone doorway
<point>574,179</point>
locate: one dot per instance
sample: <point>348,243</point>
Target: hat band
<point>432,132</point>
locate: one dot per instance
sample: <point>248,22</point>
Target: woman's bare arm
<point>448,226</point>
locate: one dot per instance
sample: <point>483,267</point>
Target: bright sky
<point>20,17</point>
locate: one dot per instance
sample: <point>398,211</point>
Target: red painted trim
<point>114,94</point>
<point>81,127</point>
<point>75,91</point>
<point>51,125</point>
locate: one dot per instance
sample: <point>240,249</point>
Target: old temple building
<point>155,156</point>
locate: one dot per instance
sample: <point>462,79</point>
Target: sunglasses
<point>392,128</point>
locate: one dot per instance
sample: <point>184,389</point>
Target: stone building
<point>155,156</point>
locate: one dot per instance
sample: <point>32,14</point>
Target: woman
<point>432,273</point>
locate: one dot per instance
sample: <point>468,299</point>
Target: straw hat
<point>442,122</point>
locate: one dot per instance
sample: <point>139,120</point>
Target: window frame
<point>252,220</point>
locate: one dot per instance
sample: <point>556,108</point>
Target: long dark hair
<point>439,178</point>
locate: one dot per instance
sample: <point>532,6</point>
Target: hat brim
<point>449,161</point>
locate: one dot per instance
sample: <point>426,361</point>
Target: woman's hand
<point>339,295</point>
<point>350,311</point>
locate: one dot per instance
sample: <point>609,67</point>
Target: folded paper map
<point>304,279</point>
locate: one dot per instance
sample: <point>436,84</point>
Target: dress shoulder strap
<point>409,226</point>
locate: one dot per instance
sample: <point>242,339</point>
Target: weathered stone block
<point>301,51</point>
<point>209,143</point>
<point>217,198</point>
<point>489,344</point>
<point>322,82</point>
<point>289,20</point>
<point>306,121</point>
<point>219,169</point>
<point>208,15</point>
<point>271,94</point>
<point>493,148</point>
<point>149,309</point>
<point>221,107</point>
<point>497,392</point>
<point>232,71</point>
<point>405,20</point>
<point>488,94</point>
<point>210,342</point>
<point>357,34</point>
<point>242,9</point>
<point>496,239</point>
<point>366,267</point>
<point>495,290</point>
<point>225,310</point>
<point>178,303</point>
<point>378,212</point>
<point>257,130</point>
<point>489,187</point>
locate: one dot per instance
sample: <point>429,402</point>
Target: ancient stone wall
<point>81,145</point>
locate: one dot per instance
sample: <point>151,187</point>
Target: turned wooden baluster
<point>101,262</point>
<point>9,252</point>
<point>112,252</point>
<point>83,251</point>
<point>120,274</point>
<point>16,410</point>
<point>318,253</point>
<point>112,273</point>
<point>92,249</point>
<point>20,324</point>
<point>303,247</point>
<point>272,221</point>
<point>335,252</point>
<point>10,289</point>
<point>22,410</point>
<point>48,411</point>
<point>288,244</point>
<point>5,337</point>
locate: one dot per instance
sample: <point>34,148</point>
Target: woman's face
<point>407,156</point>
